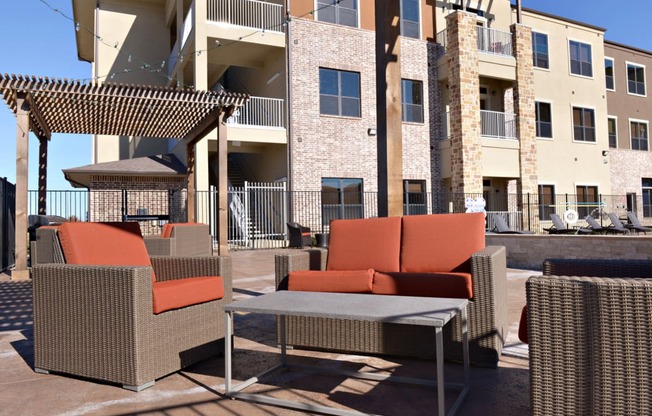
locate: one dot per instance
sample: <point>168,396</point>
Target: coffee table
<point>431,313</point>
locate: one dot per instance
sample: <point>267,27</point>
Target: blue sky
<point>37,41</point>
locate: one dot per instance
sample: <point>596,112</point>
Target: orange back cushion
<point>372,243</point>
<point>96,243</point>
<point>342,281</point>
<point>441,242</point>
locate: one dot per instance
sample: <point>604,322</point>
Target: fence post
<point>529,213</point>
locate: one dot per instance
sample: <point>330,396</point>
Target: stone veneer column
<point>527,183</point>
<point>464,86</point>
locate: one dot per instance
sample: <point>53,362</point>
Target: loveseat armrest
<point>311,259</point>
<point>159,246</point>
<point>170,268</point>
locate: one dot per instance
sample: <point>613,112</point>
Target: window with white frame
<point>613,132</point>
<point>412,100</point>
<point>638,134</point>
<point>635,79</point>
<point>583,124</point>
<point>587,200</point>
<point>609,74</point>
<point>580,58</point>
<point>339,92</point>
<point>540,50</point>
<point>546,201</point>
<point>410,18</point>
<point>543,115</point>
<point>342,12</point>
<point>647,196</point>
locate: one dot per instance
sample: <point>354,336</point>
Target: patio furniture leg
<point>139,387</point>
<point>439,343</point>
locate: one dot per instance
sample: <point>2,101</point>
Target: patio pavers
<point>198,389</point>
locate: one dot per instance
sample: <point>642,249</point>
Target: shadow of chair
<point>112,313</point>
<point>501,226</point>
<point>299,235</point>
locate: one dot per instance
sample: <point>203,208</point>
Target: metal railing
<point>494,41</point>
<point>258,212</point>
<point>442,38</point>
<point>260,111</point>
<point>497,124</point>
<point>445,123</point>
<point>248,13</point>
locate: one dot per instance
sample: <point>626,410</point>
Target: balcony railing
<point>498,125</point>
<point>260,112</point>
<point>489,41</point>
<point>494,41</point>
<point>248,13</point>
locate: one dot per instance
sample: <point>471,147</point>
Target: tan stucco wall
<point>562,161</point>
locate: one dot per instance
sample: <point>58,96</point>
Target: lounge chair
<point>616,227</point>
<point>501,227</point>
<point>558,227</point>
<point>299,235</point>
<point>594,226</point>
<point>635,224</point>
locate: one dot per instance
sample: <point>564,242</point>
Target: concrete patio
<point>198,390</point>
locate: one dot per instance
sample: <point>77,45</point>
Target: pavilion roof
<point>73,106</point>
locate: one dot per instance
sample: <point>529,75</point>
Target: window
<point>613,135</point>
<point>583,124</point>
<point>638,135</point>
<point>631,202</point>
<point>412,100</point>
<point>339,92</point>
<point>343,12</point>
<point>546,201</point>
<point>410,18</point>
<point>647,197</point>
<point>540,50</point>
<point>587,200</point>
<point>341,198</point>
<point>609,73</point>
<point>635,79</point>
<point>580,59</point>
<point>414,197</point>
<point>543,116</point>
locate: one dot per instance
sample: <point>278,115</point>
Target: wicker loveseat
<point>439,255</point>
<point>589,327</point>
<point>111,313</point>
<point>181,240</point>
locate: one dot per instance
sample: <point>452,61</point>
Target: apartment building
<point>490,105</point>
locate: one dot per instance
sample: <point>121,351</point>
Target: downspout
<point>519,18</point>
<point>288,117</point>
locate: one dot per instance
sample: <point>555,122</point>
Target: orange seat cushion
<point>372,243</point>
<point>349,281</point>
<point>167,228</point>
<point>175,294</point>
<point>441,242</point>
<point>522,326</point>
<point>109,243</point>
<point>436,285</point>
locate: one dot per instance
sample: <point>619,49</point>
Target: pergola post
<point>20,271</point>
<point>388,96</point>
<point>190,163</point>
<point>222,191</point>
<point>42,175</point>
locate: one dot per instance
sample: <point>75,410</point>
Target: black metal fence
<point>258,213</point>
<point>7,224</point>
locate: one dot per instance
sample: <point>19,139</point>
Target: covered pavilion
<point>46,106</point>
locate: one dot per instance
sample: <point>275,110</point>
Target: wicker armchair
<point>299,235</point>
<point>590,337</point>
<point>181,240</point>
<point>486,315</point>
<point>97,321</point>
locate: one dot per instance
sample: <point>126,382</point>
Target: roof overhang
<point>84,13</point>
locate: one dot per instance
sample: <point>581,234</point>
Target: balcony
<point>494,41</point>
<point>494,124</point>
<point>253,14</point>
<point>261,119</point>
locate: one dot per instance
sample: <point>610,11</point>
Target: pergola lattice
<point>47,105</point>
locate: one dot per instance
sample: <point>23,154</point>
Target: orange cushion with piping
<point>436,285</point>
<point>175,294</point>
<point>350,281</point>
<point>372,243</point>
<point>441,242</point>
<point>522,326</point>
<point>167,228</point>
<point>109,243</point>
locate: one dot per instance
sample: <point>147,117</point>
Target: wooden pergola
<point>45,106</point>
